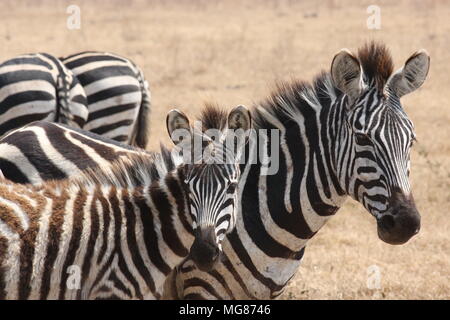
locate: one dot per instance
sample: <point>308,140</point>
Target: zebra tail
<point>68,112</point>
<point>141,130</point>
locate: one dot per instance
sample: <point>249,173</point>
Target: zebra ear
<point>240,121</point>
<point>239,118</point>
<point>178,126</point>
<point>411,76</point>
<point>347,74</point>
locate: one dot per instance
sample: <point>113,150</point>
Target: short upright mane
<point>296,97</point>
<point>137,169</point>
<point>291,98</point>
<point>376,61</point>
<point>213,117</point>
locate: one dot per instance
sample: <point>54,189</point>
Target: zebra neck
<point>281,212</point>
<point>164,208</point>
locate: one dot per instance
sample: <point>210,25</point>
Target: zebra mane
<point>296,98</point>
<point>138,169</point>
<point>213,116</point>
<point>376,61</point>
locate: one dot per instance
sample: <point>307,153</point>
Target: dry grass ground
<point>232,53</point>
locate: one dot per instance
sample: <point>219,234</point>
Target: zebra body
<point>114,235</point>
<point>122,227</point>
<point>44,151</point>
<point>39,87</point>
<point>117,93</point>
<point>344,135</point>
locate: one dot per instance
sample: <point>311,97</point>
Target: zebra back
<point>44,151</point>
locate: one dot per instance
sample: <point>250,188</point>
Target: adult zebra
<point>345,135</point>
<point>117,93</point>
<point>39,87</point>
<point>44,151</point>
<point>120,229</point>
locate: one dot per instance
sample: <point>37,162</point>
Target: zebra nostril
<point>387,222</point>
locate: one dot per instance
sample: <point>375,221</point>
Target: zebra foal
<point>123,227</point>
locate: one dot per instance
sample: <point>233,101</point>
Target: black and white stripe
<point>44,151</point>
<point>118,230</point>
<point>117,93</point>
<point>344,135</point>
<point>39,87</point>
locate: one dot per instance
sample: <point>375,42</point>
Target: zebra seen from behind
<point>117,93</point>
<point>39,87</point>
<point>123,227</point>
<point>346,134</point>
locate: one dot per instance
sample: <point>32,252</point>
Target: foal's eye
<point>362,139</point>
<point>232,187</point>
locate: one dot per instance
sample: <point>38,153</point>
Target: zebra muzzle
<point>401,222</point>
<point>204,251</point>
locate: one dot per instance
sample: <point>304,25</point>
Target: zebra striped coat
<point>344,135</point>
<point>44,151</point>
<point>117,93</point>
<point>101,236</point>
<point>39,87</point>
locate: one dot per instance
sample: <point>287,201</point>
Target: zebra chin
<point>205,252</point>
<point>401,222</point>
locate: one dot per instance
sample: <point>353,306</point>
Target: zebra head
<point>377,136</point>
<point>211,180</point>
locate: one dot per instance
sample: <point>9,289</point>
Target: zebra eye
<point>362,139</point>
<point>232,187</point>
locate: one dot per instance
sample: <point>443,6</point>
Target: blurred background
<point>232,52</point>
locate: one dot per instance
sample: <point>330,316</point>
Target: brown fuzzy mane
<point>213,116</point>
<point>376,61</point>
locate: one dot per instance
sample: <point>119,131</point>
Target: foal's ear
<point>240,121</point>
<point>347,74</point>
<point>411,76</point>
<point>177,126</point>
<point>239,118</point>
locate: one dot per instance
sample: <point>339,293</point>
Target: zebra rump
<point>117,93</point>
<point>39,87</point>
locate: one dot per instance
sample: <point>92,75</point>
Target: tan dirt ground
<point>230,52</point>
